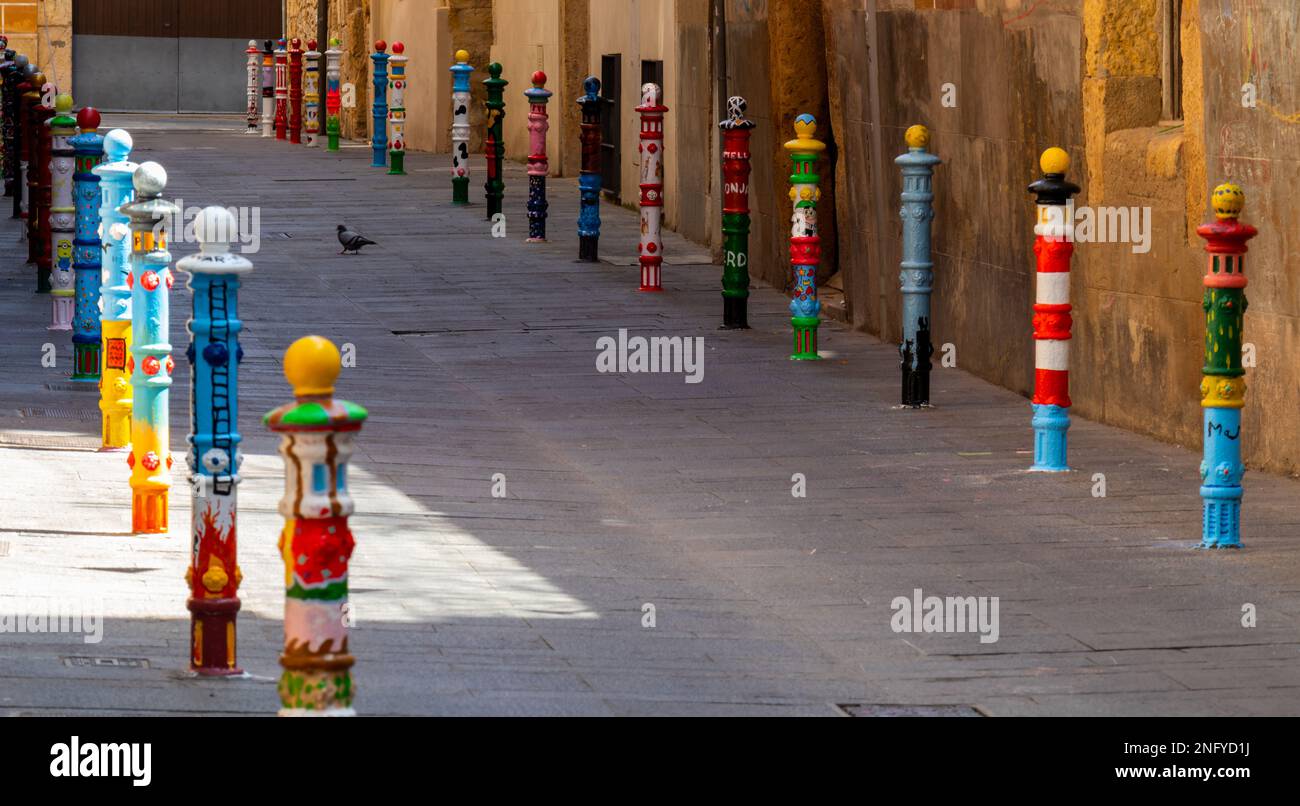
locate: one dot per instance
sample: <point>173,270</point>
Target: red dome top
<point>88,119</point>
<point>311,44</point>
<point>539,78</point>
<point>398,47</point>
<point>381,45</point>
<point>296,43</point>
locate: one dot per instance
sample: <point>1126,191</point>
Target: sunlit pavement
<point>648,556</point>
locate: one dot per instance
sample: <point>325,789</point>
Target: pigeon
<point>352,241</point>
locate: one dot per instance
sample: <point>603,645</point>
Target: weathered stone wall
<point>43,31</point>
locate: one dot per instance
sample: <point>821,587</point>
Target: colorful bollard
<point>253,59</point>
<point>6,68</point>
<point>268,89</point>
<point>538,165</point>
<point>589,175</point>
<point>333,102</point>
<point>494,146</point>
<point>1223,386</point>
<point>317,433</point>
<point>151,361</point>
<point>805,243</point>
<point>40,189</point>
<point>27,95</point>
<point>63,215</point>
<point>214,458</point>
<point>735,215</point>
<point>379,109</point>
<point>397,109</point>
<point>281,90</point>
<point>12,76</point>
<point>916,275</point>
<point>311,95</point>
<point>295,90</point>
<point>115,190</point>
<point>460,73</point>
<point>651,150</point>
<point>1053,246</point>
<point>88,152</point>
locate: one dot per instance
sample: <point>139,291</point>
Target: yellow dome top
<point>805,126</point>
<point>917,136</point>
<point>1227,200</point>
<point>462,55</point>
<point>311,365</point>
<point>1054,161</point>
<point>63,103</point>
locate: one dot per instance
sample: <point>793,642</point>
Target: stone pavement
<point>476,356</point>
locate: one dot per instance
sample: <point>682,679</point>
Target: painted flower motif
<point>150,461</point>
<point>149,280</point>
<point>150,365</point>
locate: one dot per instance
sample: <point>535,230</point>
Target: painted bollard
<point>6,69</point>
<point>214,354</point>
<point>1223,386</point>
<point>333,102</point>
<point>12,77</point>
<point>22,140</point>
<point>116,190</point>
<point>281,90</point>
<point>1053,246</point>
<point>589,176</point>
<point>460,73</point>
<point>735,215</point>
<point>805,243</point>
<point>494,145</point>
<point>268,89</point>
<point>379,109</point>
<point>538,165</point>
<point>88,152</point>
<point>150,364</point>
<point>295,90</point>
<point>915,274</point>
<point>397,64</point>
<point>63,215</point>
<point>311,95</point>
<point>253,88</point>
<point>317,433</point>
<point>41,190</point>
<point>650,249</point>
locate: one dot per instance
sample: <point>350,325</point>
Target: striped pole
<point>1223,388</point>
<point>213,457</point>
<point>333,103</point>
<point>151,361</point>
<point>1053,246</point>
<point>116,191</point>
<point>651,150</point>
<point>805,243</point>
<point>88,148</point>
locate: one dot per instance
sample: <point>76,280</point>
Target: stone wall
<point>43,31</point>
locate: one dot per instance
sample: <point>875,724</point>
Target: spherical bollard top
<point>1227,201</point>
<point>399,48</point>
<point>63,103</point>
<point>592,85</point>
<point>311,365</point>
<point>88,119</point>
<point>149,179</point>
<point>917,137</point>
<point>462,55</point>
<point>494,69</point>
<point>1054,161</point>
<point>311,44</point>
<point>117,144</point>
<point>381,45</point>
<point>539,79</point>
<point>335,41</point>
<point>215,225</point>
<point>295,43</point>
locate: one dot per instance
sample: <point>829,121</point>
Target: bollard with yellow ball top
<point>916,275</point>
<point>1223,388</point>
<point>1053,247</point>
<point>805,243</point>
<point>317,433</point>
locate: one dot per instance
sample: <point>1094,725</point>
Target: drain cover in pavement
<point>909,710</point>
<point>115,663</point>
<point>60,413</point>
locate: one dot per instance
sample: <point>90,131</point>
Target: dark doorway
<point>611,84</point>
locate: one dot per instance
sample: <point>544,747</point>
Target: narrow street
<point>648,556</point>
